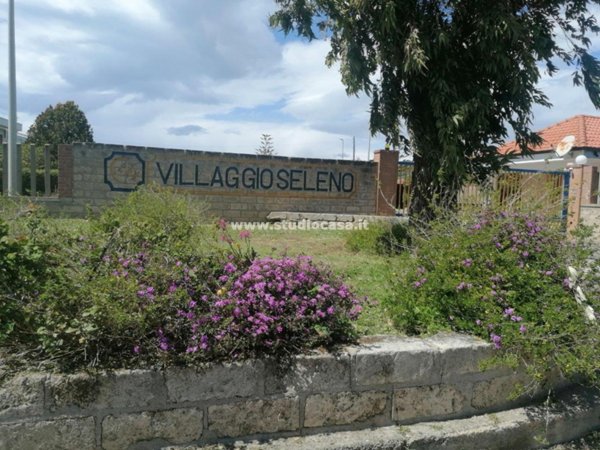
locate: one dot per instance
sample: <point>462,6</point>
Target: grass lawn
<point>367,274</point>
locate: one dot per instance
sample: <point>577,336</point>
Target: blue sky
<point>197,74</point>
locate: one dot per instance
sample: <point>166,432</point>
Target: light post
<point>12,107</point>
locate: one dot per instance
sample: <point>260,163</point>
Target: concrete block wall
<point>383,381</point>
<point>240,187</point>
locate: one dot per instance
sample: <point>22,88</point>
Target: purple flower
<point>463,286</point>
<point>421,282</point>
<point>467,262</point>
<point>204,342</point>
<point>523,328</point>
<point>245,234</point>
<point>136,349</point>
<point>496,340</point>
<point>509,312</point>
<point>229,268</point>
<point>478,322</point>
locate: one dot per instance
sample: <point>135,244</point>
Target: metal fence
<point>510,189</point>
<point>37,170</point>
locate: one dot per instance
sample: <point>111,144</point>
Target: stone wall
<point>238,187</point>
<point>384,381</point>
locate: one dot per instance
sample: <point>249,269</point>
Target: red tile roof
<point>586,130</point>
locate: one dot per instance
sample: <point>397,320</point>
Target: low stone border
<point>384,381</point>
<point>575,413</point>
<point>295,217</point>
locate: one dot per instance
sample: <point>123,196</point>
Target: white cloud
<point>210,71</point>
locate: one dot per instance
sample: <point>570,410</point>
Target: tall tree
<point>266,147</point>
<point>459,73</point>
<point>64,123</point>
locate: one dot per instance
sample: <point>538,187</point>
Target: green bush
<point>503,277</point>
<point>149,282</point>
<point>381,238</point>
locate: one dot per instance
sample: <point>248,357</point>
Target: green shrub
<point>23,269</point>
<point>381,238</point>
<point>149,282</point>
<point>157,217</point>
<point>503,277</point>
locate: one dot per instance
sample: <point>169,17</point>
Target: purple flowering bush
<point>150,309</point>
<point>501,276</point>
<point>273,307</point>
<point>131,289</point>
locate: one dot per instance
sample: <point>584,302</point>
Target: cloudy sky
<point>197,74</point>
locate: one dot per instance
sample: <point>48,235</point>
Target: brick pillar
<point>590,185</point>
<point>575,196</point>
<point>387,181</point>
<point>65,170</point>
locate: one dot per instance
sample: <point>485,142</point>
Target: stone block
<point>255,416</point>
<point>314,373</point>
<point>52,434</point>
<point>459,354</point>
<point>497,392</point>
<point>65,392</point>
<point>22,396</point>
<point>175,426</point>
<point>344,408</point>
<point>120,389</point>
<point>427,402</point>
<point>218,381</point>
<point>396,360</point>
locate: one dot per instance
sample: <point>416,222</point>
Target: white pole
<point>353,148</point>
<point>12,110</point>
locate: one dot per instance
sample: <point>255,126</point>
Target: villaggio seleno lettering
<point>233,177</point>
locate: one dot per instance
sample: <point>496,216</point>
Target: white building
<point>4,132</point>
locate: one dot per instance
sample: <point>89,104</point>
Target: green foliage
<point>381,238</point>
<point>22,267</point>
<point>504,277</point>
<point>154,217</point>
<point>150,282</point>
<point>63,123</point>
<point>458,74</point>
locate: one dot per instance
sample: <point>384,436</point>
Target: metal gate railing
<point>510,189</point>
